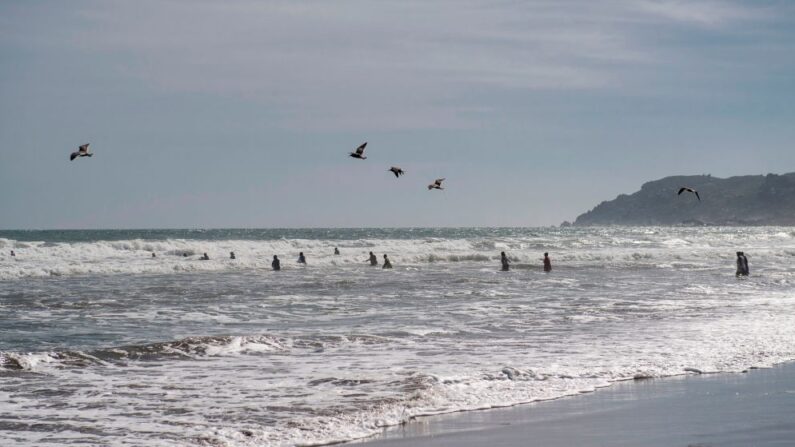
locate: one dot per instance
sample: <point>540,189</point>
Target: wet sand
<point>756,408</point>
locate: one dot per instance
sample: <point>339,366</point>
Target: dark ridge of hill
<point>744,200</point>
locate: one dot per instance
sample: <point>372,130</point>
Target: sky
<point>206,114</point>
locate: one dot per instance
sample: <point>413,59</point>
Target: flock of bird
<point>359,153</point>
<point>83,151</point>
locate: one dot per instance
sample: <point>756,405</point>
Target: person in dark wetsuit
<point>301,258</point>
<point>505,264</point>
<point>547,263</point>
<point>205,257</point>
<point>387,264</point>
<point>373,260</point>
<point>742,265</point>
<point>336,251</point>
<point>276,265</point>
<point>154,255</point>
<point>184,255</point>
<point>232,255</point>
<point>13,254</point>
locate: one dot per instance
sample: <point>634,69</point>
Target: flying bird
<point>437,184</point>
<point>685,188</point>
<point>81,152</point>
<point>397,171</point>
<point>359,152</point>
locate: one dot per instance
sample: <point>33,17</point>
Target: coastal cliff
<point>744,200</point>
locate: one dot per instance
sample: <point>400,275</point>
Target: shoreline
<point>753,407</point>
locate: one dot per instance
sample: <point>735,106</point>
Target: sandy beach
<point>744,409</point>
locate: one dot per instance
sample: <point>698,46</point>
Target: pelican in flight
<point>81,152</point>
<point>360,152</point>
<point>685,188</point>
<point>437,184</point>
<point>397,171</point>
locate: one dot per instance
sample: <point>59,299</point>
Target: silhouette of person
<point>13,254</point>
<point>205,257</point>
<point>232,255</point>
<point>505,264</point>
<point>373,260</point>
<point>336,251</point>
<point>301,258</point>
<point>276,265</point>
<point>184,255</point>
<point>387,264</point>
<point>547,263</point>
<point>154,255</point>
<point>742,264</point>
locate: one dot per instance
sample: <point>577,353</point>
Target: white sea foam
<point>338,351</point>
<point>41,259</point>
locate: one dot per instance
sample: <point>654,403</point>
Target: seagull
<point>397,171</point>
<point>359,152</point>
<point>685,188</point>
<point>437,184</point>
<point>81,152</point>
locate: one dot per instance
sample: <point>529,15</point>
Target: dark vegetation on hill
<point>745,200</point>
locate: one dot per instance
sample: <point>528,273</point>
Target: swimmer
<point>373,260</point>
<point>13,254</point>
<point>742,265</point>
<point>505,264</point>
<point>387,264</point>
<point>547,263</point>
<point>154,255</point>
<point>205,257</point>
<point>301,258</point>
<point>232,255</point>
<point>276,265</point>
<point>336,251</point>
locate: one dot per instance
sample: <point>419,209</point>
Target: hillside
<point>745,200</point>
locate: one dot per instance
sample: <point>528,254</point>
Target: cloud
<point>706,13</point>
<point>384,65</point>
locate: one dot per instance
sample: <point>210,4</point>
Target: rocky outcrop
<point>745,200</point>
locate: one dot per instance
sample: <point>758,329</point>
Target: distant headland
<point>734,201</point>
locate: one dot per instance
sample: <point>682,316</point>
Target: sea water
<point>101,344</point>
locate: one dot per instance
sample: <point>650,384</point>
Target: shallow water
<point>102,344</point>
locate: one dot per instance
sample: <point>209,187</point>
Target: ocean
<point>101,344</point>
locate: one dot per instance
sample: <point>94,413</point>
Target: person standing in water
<point>232,255</point>
<point>13,255</point>
<point>742,265</point>
<point>547,263</point>
<point>505,264</point>
<point>387,264</point>
<point>336,251</point>
<point>373,260</point>
<point>301,258</point>
<point>276,265</point>
<point>504,260</point>
<point>154,255</point>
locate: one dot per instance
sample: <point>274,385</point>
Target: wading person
<point>505,264</point>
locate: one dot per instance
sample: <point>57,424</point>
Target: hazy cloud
<point>207,113</point>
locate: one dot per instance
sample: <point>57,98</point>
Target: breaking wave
<point>47,258</point>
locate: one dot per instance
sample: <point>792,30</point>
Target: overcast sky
<point>241,114</point>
